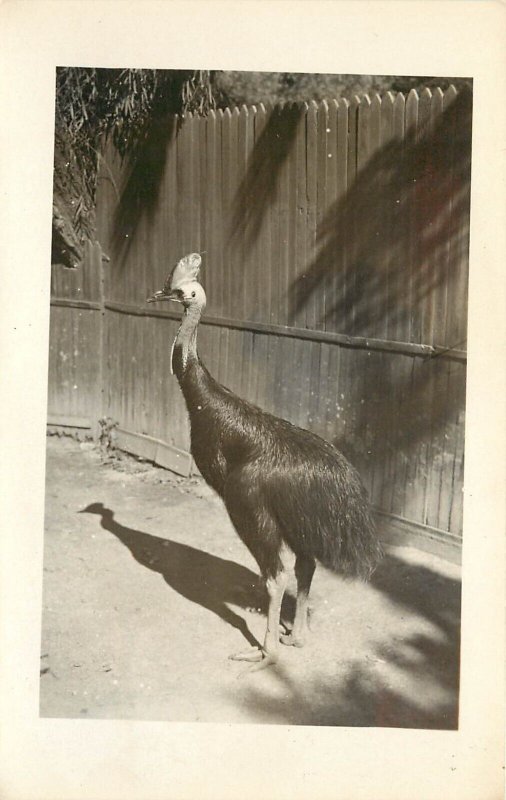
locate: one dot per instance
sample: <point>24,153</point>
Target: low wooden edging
<point>396,531</point>
<point>156,450</point>
<point>78,427</point>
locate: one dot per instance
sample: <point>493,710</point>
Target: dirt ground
<point>147,590</point>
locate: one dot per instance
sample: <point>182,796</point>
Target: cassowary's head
<point>190,294</point>
<point>182,285</point>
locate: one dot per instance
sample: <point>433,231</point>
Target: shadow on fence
<point>400,230</point>
<point>258,187</point>
<point>141,184</point>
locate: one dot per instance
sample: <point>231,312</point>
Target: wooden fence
<point>335,266</point>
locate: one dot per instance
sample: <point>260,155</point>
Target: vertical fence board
<point>301,253</point>
<point>322,185</point>
<point>221,372</point>
<point>215,258</point>
<point>448,490</point>
<point>227,196</point>
<point>189,221</point>
<point>388,265</point>
<point>377,280</point>
<point>439,370</point>
<point>339,256</point>
<point>313,418</point>
<point>375,273</point>
<point>410,331</point>
<point>420,309</point>
<point>183,167</point>
<point>203,186</point>
<point>250,249</point>
<point>208,236</point>
<point>233,306</point>
<point>321,391</point>
<point>259,388</point>
<point>456,322</point>
<point>262,285</point>
<point>171,209</point>
<point>292,213</point>
<point>449,109</point>
<point>362,267</point>
<point>457,489</point>
<point>282,267</point>
<point>351,276</point>
<point>247,366</point>
<point>313,309</point>
<point>329,214</point>
<point>272,198</point>
<point>400,380</point>
<point>238,289</point>
<point>397,287</point>
<point>435,301</point>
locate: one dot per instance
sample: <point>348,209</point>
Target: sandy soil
<point>147,590</point>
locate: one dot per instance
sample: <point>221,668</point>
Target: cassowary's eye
<point>193,294</point>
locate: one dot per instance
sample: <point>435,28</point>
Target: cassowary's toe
<point>253,654</point>
<point>268,660</point>
<point>290,639</point>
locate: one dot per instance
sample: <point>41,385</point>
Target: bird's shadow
<point>210,581</point>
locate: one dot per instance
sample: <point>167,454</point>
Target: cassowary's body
<point>280,484</point>
<point>284,487</point>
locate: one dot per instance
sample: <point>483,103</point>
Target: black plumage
<point>285,489</point>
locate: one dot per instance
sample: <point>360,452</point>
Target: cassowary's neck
<point>185,343</point>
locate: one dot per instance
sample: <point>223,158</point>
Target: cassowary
<point>287,491</point>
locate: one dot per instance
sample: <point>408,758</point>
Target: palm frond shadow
<point>142,182</point>
<point>406,215</point>
<point>406,409</point>
<point>359,695</point>
<point>258,188</point>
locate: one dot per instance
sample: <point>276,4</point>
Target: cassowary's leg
<point>275,589</point>
<point>304,571</point>
<point>269,653</point>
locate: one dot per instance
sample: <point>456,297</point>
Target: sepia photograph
<point>256,397</point>
<point>253,377</point>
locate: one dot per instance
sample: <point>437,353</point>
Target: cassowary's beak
<point>163,295</point>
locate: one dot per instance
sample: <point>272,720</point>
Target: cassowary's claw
<point>290,639</point>
<point>254,654</point>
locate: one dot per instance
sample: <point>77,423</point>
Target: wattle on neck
<point>186,339</point>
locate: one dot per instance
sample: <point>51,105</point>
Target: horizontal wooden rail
<point>359,342</point>
<point>69,302</point>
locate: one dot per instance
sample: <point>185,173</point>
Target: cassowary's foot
<point>267,661</point>
<point>290,639</point>
<point>253,654</point>
<point>259,658</point>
